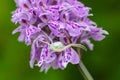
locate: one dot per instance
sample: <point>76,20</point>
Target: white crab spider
<point>59,46</point>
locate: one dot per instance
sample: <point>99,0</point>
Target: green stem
<point>84,71</point>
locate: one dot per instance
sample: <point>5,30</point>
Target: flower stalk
<point>84,71</point>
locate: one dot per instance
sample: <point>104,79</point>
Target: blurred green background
<point>103,62</point>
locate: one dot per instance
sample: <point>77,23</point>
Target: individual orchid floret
<point>26,33</point>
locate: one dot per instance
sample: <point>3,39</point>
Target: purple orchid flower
<point>52,28</point>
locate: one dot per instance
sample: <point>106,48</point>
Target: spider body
<point>57,46</point>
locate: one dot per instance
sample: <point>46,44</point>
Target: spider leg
<point>66,47</point>
<point>40,40</point>
<point>47,36</point>
<point>74,45</point>
<point>45,42</point>
<point>80,46</point>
